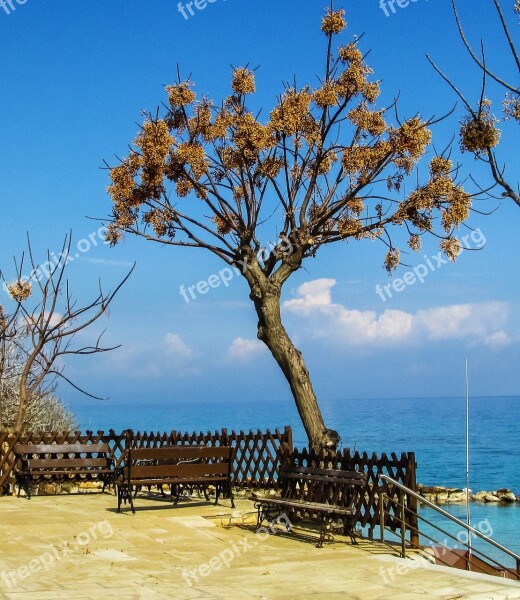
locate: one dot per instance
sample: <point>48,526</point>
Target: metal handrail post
<point>412,505</point>
<point>403,525</point>
<point>382,515</point>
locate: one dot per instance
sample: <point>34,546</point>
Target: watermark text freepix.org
<point>388,574</point>
<point>389,6</point>
<point>228,555</point>
<point>47,559</point>
<point>187,11</point>
<point>474,241</point>
<point>56,261</point>
<point>225,275</point>
<point>10,5</point>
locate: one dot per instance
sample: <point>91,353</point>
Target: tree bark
<point>25,392</point>
<point>271,331</point>
<point>22,406</point>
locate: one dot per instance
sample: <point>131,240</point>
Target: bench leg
<point>265,512</point>
<point>326,529</point>
<point>349,529</point>
<point>124,495</point>
<point>260,515</point>
<point>322,533</point>
<point>231,497</point>
<point>24,482</point>
<point>108,480</point>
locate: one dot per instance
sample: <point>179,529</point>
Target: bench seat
<point>315,507</point>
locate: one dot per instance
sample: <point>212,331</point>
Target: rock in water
<point>506,496</point>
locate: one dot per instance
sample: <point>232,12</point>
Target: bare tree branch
<point>40,334</point>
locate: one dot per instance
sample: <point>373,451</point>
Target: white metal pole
<point>468,512</point>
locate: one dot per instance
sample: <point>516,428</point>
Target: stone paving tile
<point>146,555</point>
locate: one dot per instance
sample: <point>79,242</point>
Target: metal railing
<point>474,558</point>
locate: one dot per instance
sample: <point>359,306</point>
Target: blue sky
<point>74,78</point>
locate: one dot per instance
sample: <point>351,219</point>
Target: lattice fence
<point>402,469</point>
<point>257,457</point>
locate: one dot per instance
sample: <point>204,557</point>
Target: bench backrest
<point>325,486</point>
<point>63,456</point>
<point>178,461</point>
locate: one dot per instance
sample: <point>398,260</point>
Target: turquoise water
<point>433,428</point>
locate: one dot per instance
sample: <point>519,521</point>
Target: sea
<point>433,428</point>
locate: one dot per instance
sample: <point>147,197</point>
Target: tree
<point>45,412</point>
<point>8,362</point>
<point>325,167</point>
<point>41,329</point>
<point>479,133</point>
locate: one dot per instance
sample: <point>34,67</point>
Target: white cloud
<point>176,348</point>
<point>497,340</point>
<point>55,319</point>
<point>482,322</point>
<point>311,294</point>
<point>154,359</point>
<point>106,262</point>
<point>463,320</point>
<point>243,349</point>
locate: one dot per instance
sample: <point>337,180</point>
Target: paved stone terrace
<point>78,547</point>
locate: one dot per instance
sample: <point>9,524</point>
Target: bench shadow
<point>162,503</point>
<point>107,492</point>
<point>303,532</point>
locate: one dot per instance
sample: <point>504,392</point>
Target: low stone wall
<point>446,495</point>
<point>62,487</point>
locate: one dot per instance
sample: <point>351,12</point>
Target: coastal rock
<point>439,498</point>
<point>507,496</point>
<point>456,497</point>
<point>439,494</point>
<point>486,497</point>
<point>430,489</point>
<point>491,497</point>
<point>442,495</point>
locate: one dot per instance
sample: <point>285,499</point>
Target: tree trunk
<point>272,332</point>
<point>22,407</point>
<point>25,394</point>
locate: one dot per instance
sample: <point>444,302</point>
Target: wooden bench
<point>196,466</point>
<point>42,463</point>
<point>323,494</point>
